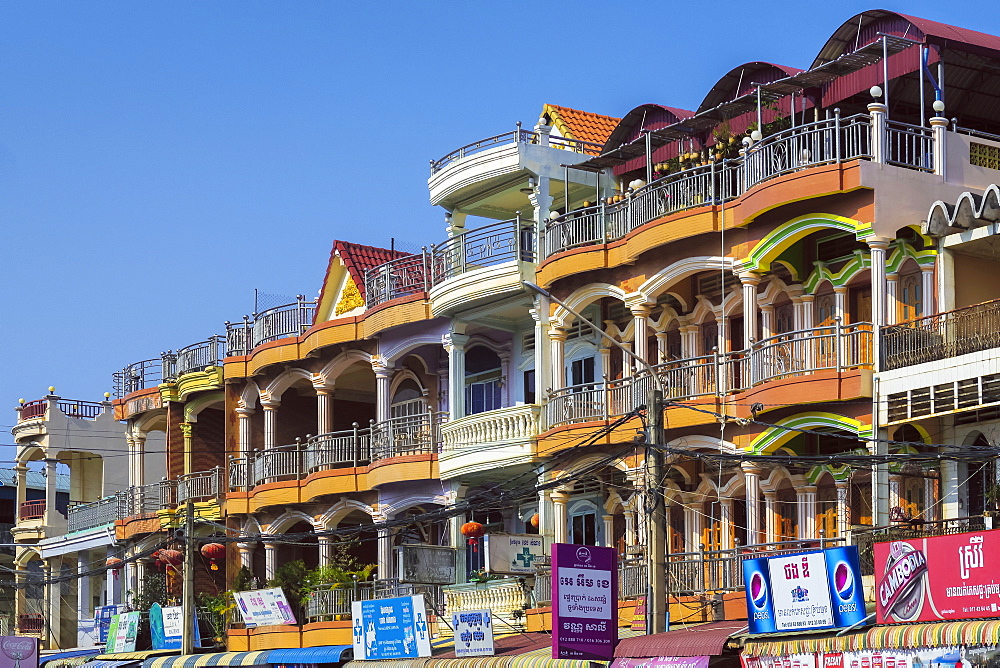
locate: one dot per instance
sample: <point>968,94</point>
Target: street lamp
<point>657,617</point>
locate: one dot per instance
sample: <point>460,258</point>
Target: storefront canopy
<point>701,640</point>
<point>213,659</point>
<point>324,654</point>
<point>113,664</point>
<point>135,656</point>
<point>908,636</point>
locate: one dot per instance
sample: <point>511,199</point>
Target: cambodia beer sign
<point>937,578</point>
<point>584,602</point>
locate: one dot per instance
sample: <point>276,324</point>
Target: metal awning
<point>134,656</point>
<point>113,664</point>
<point>897,636</point>
<point>701,640</point>
<point>323,654</point>
<point>72,657</point>
<point>213,659</point>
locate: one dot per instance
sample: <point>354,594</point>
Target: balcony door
<point>483,381</point>
<point>586,527</point>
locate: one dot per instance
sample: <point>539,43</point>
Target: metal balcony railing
<point>835,347</point>
<point>146,499</point>
<point>32,510</point>
<point>329,601</point>
<point>909,146</point>
<point>865,539</point>
<point>940,336</point>
<point>402,277</point>
<point>483,247</point>
<point>518,136</point>
<point>407,435</point>
<point>96,513</point>
<point>195,357</point>
<point>272,324</point>
<point>138,376</point>
<point>341,449</point>
<point>200,486</point>
<point>823,142</point>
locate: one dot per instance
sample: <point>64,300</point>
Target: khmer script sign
<point>391,628</point>
<point>513,554</point>
<point>473,633</point>
<point>584,602</point>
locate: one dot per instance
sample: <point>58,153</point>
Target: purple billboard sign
<point>663,662</point>
<point>18,652</point>
<point>584,602</point>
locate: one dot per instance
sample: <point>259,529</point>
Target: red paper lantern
<point>534,520</point>
<point>171,557</point>
<point>115,564</point>
<point>214,552</point>
<point>473,530</point>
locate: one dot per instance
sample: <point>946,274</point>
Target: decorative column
<point>630,529</point>
<point>840,303</point>
<point>385,570</point>
<point>325,544</point>
<point>794,293</point>
<point>245,429</point>
<point>892,299</point>
<point>807,316</point>
<point>560,517</point>
<point>880,472</point>
<point>270,560</point>
<point>270,407</point>
<point>805,500</point>
<point>324,408</point>
<point>751,483</point>
<point>766,321</point>
<point>879,144</point>
<point>927,289</point>
<point>689,341</point>
<point>187,428</point>
<point>454,343</point>
<point>692,526</point>
<point>383,379</point>
<point>609,530</point>
<point>726,506</point>
<point>52,515</point>
<point>640,329</point>
<point>750,282</point>
<point>949,490</point>
<point>557,356</point>
<point>939,125</point>
<point>21,469</point>
<point>879,278</point>
<point>771,516</point>
<point>543,368</point>
<point>246,555</point>
<point>84,595</point>
<point>843,508</point>
<point>132,576</point>
<point>605,354</point>
<point>457,539</point>
<point>661,347</point>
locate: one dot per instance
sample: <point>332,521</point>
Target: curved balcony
<point>200,486</point>
<point>408,435</point>
<point>168,366</point>
<point>38,409</point>
<point>273,324</point>
<point>138,376</point>
<point>834,348</point>
<point>32,510</point>
<point>402,277</point>
<point>510,432</point>
<point>820,143</point>
<point>517,136</point>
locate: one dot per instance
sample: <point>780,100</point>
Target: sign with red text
<point>18,652</point>
<point>584,602</point>
<point>937,578</point>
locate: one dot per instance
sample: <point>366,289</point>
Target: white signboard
<point>800,591</point>
<point>513,553</point>
<point>473,633</point>
<point>264,607</point>
<point>173,622</point>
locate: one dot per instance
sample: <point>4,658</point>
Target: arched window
<point>408,400</point>
<point>483,380</point>
<point>584,527</point>
<point>910,297</point>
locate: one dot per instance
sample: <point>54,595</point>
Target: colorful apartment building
<point>804,263</point>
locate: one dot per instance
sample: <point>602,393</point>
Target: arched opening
<point>297,413</point>
<point>483,380</point>
<point>786,525</point>
<point>408,400</point>
<point>354,396</point>
<point>304,548</point>
<point>826,506</point>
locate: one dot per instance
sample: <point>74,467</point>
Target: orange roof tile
<point>583,125</point>
<point>357,258</point>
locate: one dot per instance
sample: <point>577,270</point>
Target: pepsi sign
<point>808,590</point>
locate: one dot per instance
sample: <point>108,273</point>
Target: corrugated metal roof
<point>35,480</point>
<point>740,81</point>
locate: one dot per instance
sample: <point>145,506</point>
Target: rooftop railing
<point>941,336</point>
<point>483,247</point>
<point>138,376</point>
<point>146,499</point>
<point>835,347</point>
<point>272,324</point>
<point>402,277</point>
<point>823,142</point>
<point>168,366</point>
<point>96,513</point>
<point>38,408</point>
<point>518,136</point>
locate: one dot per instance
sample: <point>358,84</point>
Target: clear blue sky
<point>161,160</point>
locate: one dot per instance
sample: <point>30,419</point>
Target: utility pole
<point>657,610</point>
<point>187,593</point>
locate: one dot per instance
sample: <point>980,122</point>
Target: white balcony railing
<point>407,435</point>
<point>835,347</point>
<point>506,598</point>
<point>517,136</point>
<point>504,425</point>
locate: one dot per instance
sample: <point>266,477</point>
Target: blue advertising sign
<point>102,617</point>
<point>391,628</point>
<point>808,590</point>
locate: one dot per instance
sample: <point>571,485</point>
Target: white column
<point>454,343</point>
<point>131,575</point>
<point>246,555</point>
<point>840,303</point>
<point>51,513</point>
<point>455,496</point>
<point>692,526</point>
<point>139,453</point>
<point>383,378</point>
<point>630,528</point>
<point>949,490</point>
<point>560,517</point>
<point>726,505</point>
<point>325,544</point>
<point>557,356</point>
<point>808,315</point>
<point>640,331</point>
<point>609,530</point>
<point>927,289</point>
<point>543,368</point>
<point>878,247</point>
<point>945,281</point>
<point>771,516</point>
<point>939,125</point>
<point>661,347</point>
<point>806,501</point>
<point>689,341</point>
<point>243,416</point>
<point>270,422</point>
<point>113,581</point>
<point>270,560</point>
<point>843,508</point>
<point>879,143</point>
<point>751,482</point>
<point>930,499</point>
<point>750,282</point>
<point>324,409</point>
<point>385,570</point>
<point>891,299</point>
<point>84,595</point>
<point>766,321</point>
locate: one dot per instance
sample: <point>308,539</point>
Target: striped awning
<point>543,657</point>
<point>67,662</point>
<point>213,659</point>
<point>135,656</point>
<point>900,636</point>
<point>113,664</point>
<point>299,655</point>
<point>73,657</point>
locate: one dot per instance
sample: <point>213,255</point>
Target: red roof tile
<point>357,258</point>
<point>583,125</point>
